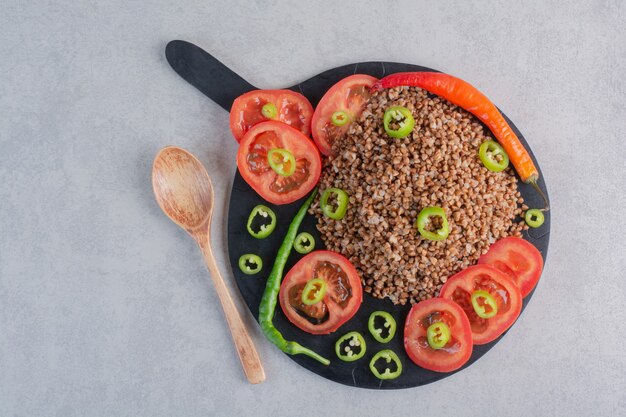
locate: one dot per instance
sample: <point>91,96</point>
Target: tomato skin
<point>339,97</point>
<point>517,258</point>
<point>305,270</point>
<point>460,286</point>
<point>255,170</point>
<point>458,350</point>
<point>293,109</point>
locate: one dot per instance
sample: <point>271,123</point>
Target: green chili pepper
<point>269,111</point>
<point>264,229</point>
<point>350,347</point>
<point>314,291</point>
<point>493,156</point>
<point>339,118</point>
<point>389,326</point>
<point>438,335</point>
<point>272,287</point>
<point>281,161</point>
<point>403,117</point>
<point>250,263</point>
<point>484,304</point>
<point>393,365</point>
<point>304,243</point>
<point>534,218</point>
<point>426,216</point>
<point>342,201</point>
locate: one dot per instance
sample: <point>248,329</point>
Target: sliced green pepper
<point>350,347</point>
<point>339,118</point>
<point>250,263</point>
<point>438,335</point>
<point>314,291</point>
<point>269,111</point>
<point>403,117</point>
<point>534,218</point>
<point>424,219</point>
<point>392,367</point>
<point>257,220</point>
<point>304,243</point>
<point>388,326</point>
<point>281,161</point>
<point>484,304</point>
<point>341,202</point>
<point>493,156</point>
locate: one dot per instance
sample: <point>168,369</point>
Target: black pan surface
<point>223,85</point>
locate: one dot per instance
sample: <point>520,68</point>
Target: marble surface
<point>106,308</point>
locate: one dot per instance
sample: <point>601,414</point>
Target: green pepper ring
<point>350,356</point>
<point>488,151</point>
<point>390,322</point>
<point>339,118</point>
<point>423,218</point>
<point>488,300</point>
<point>406,126</point>
<point>438,335</point>
<point>265,229</point>
<point>389,356</point>
<point>298,244</point>
<point>342,203</point>
<point>279,166</point>
<point>534,218</point>
<point>314,291</point>
<point>250,258</point>
<point>269,111</point>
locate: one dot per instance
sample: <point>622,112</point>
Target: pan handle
<point>206,73</point>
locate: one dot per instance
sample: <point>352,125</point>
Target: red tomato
<point>340,302</point>
<point>292,108</point>
<point>349,95</point>
<point>502,289</point>
<point>253,164</point>
<point>458,349</point>
<point>517,258</point>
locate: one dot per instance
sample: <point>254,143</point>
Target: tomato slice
<point>255,168</point>
<point>340,302</point>
<point>290,107</point>
<point>349,95</point>
<point>517,258</point>
<point>507,296</point>
<point>456,351</point>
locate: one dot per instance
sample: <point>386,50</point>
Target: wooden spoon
<point>184,192</point>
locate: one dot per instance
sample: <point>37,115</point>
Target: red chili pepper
<point>468,97</point>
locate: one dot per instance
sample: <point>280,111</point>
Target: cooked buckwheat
<point>390,180</point>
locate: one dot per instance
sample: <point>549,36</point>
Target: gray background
<point>106,307</point>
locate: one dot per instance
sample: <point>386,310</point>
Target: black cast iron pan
<point>222,85</point>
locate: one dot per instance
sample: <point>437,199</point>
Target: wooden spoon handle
<point>245,347</point>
